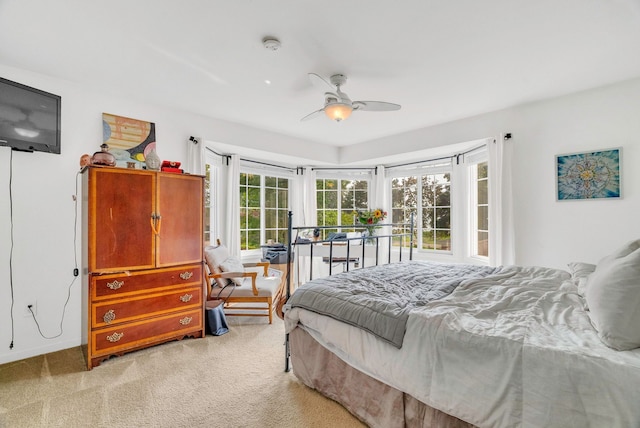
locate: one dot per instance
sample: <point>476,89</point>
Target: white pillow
<point>613,296</point>
<point>233,264</point>
<point>580,274</point>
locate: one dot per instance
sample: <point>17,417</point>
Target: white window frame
<point>340,176</point>
<point>444,166</point>
<point>249,168</point>
<point>472,161</point>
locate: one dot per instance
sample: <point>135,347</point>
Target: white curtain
<point>380,199</point>
<point>501,244</point>
<point>195,157</point>
<point>304,209</point>
<point>379,190</point>
<point>232,202</point>
<point>310,207</point>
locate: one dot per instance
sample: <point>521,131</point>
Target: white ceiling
<point>441,60</point>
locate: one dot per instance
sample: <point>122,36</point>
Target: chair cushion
<point>215,256</point>
<point>267,286</point>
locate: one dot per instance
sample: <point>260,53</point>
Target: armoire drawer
<point>141,333</point>
<point>113,312</point>
<point>121,284</point>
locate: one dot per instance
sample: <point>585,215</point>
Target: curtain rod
<point>297,169</point>
<point>457,155</point>
<point>342,168</point>
<point>227,157</point>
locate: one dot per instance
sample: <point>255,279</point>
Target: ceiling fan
<point>337,105</point>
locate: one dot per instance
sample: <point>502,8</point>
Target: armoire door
<point>180,206</point>
<point>121,204</point>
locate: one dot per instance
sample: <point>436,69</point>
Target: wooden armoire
<point>142,259</point>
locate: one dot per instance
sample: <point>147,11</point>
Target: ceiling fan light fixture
<point>338,111</point>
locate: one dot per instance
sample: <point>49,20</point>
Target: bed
<point>511,346</point>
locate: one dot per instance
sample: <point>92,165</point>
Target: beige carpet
<point>234,380</point>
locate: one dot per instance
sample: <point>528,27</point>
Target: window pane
<point>271,234</point>
<point>483,243</point>
<point>361,200</point>
<point>270,218</point>
<point>253,197</point>
<point>253,219</point>
<point>443,240</point>
<point>270,198</point>
<point>320,199</point>
<point>283,198</point>
<point>443,196</point>
<point>253,239</point>
<point>331,199</point>
<point>253,180</point>
<point>483,195</point>
<point>282,219</point>
<point>428,240</point>
<point>347,218</point>
<point>361,184</point>
<point>483,170</point>
<point>243,218</point>
<point>331,184</point>
<point>428,218</point>
<point>270,181</point>
<point>483,218</point>
<point>243,240</point>
<point>330,217</point>
<point>283,183</point>
<point>443,218</point>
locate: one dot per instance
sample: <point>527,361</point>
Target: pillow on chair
<point>233,264</point>
<point>214,257</point>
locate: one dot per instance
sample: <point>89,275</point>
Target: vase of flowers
<point>370,219</point>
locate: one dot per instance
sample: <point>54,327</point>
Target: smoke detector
<point>271,43</point>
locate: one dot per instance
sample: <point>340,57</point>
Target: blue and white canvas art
<point>588,175</point>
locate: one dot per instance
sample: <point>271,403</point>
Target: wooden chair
<point>254,290</point>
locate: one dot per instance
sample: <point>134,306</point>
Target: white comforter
<point>514,349</point>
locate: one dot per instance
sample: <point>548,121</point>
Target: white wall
<point>555,233</point>
<point>547,232</point>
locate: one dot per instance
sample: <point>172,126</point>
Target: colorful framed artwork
<point>129,140</point>
<point>589,175</point>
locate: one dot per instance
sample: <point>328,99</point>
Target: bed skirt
<point>373,402</point>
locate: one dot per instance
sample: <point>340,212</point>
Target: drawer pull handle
<point>186,320</point>
<point>115,337</point>
<point>109,316</point>
<point>186,275</point>
<point>186,298</point>
<point>115,284</point>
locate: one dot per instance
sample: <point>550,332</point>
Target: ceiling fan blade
<point>375,106</point>
<point>320,83</point>
<point>312,115</point>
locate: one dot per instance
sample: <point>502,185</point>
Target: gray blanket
<point>378,299</point>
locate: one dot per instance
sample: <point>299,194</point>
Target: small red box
<point>170,164</point>
<point>169,169</point>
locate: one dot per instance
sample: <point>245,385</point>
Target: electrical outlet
<point>34,308</point>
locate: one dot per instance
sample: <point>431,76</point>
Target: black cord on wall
<point>11,245</point>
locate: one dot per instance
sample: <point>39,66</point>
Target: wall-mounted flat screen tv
<point>29,118</point>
